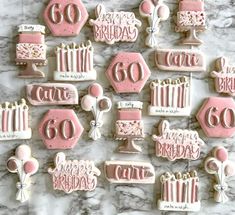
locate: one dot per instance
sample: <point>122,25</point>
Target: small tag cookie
<point>170,97</point>
<point>177,143</point>
<point>129,125</point>
<point>222,168</point>
<point>73,175</point>
<point>52,94</point>
<point>224,77</point>
<point>98,104</point>
<point>31,50</point>
<point>14,121</point>
<point>129,172</point>
<point>75,62</point>
<point>179,192</point>
<point>24,165</point>
<point>155,11</point>
<point>112,27</point>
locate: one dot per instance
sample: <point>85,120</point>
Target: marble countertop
<point>111,199</point>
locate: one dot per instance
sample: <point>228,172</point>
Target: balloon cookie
<point>73,175</point>
<point>222,168</point>
<point>191,19</point>
<point>170,97</point>
<point>111,27</point>
<point>224,77</point>
<point>31,50</point>
<point>179,192</point>
<point>24,165</point>
<point>14,121</point>
<point>155,11</point>
<point>75,62</point>
<point>98,104</point>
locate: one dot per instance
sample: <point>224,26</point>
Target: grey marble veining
<point>109,199</point>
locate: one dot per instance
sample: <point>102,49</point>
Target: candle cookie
<point>128,72</point>
<point>60,129</point>
<point>111,27</point>
<point>191,19</point>
<point>177,143</point>
<point>52,94</point>
<point>217,117</point>
<point>65,17</point>
<point>224,77</point>
<point>31,50</point>
<point>14,121</point>
<point>73,175</point>
<point>179,192</point>
<point>24,165</point>
<point>180,60</point>
<point>98,104</point>
<point>75,62</point>
<point>129,125</point>
<point>222,168</point>
<point>155,11</point>
<point>170,97</point>
<point>129,172</point>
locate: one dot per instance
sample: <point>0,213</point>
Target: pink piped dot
<point>95,90</point>
<point>30,167</point>
<point>146,8</point>
<point>221,154</point>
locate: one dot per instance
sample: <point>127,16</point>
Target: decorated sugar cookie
<point>129,172</point>
<point>191,19</point>
<point>170,97</point>
<point>31,50</point>
<point>112,27</point>
<point>75,62</point>
<point>60,129</point>
<point>129,125</point>
<point>24,165</point>
<point>222,168</point>
<point>217,117</point>
<point>128,72</point>
<point>65,17</point>
<point>73,175</point>
<point>177,143</point>
<point>98,104</point>
<point>14,121</point>
<point>180,60</point>
<point>52,94</point>
<point>179,192</point>
<point>155,11</point>
<point>224,77</point>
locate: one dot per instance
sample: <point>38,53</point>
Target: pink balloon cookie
<point>179,192</point>
<point>60,129</point>
<point>24,165</point>
<point>14,121</point>
<point>177,143</point>
<point>128,72</point>
<point>191,18</point>
<point>111,27</point>
<point>155,11</point>
<point>75,62</point>
<point>65,17</point>
<point>129,172</point>
<point>52,94</point>
<point>98,104</point>
<point>224,77</point>
<point>129,125</point>
<point>73,175</point>
<point>217,117</point>
<point>222,168</point>
<point>170,97</point>
<point>31,50</point>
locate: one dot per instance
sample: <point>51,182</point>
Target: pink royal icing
<point>191,5</point>
<point>35,38</point>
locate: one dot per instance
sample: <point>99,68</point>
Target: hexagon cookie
<point>65,17</point>
<point>217,117</point>
<point>128,72</point>
<point>60,129</point>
